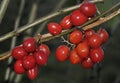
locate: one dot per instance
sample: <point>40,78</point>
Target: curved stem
<point>3,8</point>
<point>40,20</point>
<point>96,23</point>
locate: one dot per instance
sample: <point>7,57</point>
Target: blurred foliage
<point>56,72</point>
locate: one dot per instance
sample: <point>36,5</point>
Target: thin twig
<point>4,5</point>
<point>107,18</point>
<point>58,6</point>
<point>40,20</point>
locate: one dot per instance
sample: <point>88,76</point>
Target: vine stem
<point>40,20</point>
<point>96,23</point>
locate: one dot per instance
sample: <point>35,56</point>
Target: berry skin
<point>74,57</point>
<point>29,44</point>
<point>95,40</point>
<point>97,55</point>
<point>45,49</point>
<point>66,22</point>
<point>75,37</point>
<point>87,63</point>
<point>29,62</point>
<point>18,67</point>
<point>41,58</point>
<point>77,18</point>
<point>54,28</point>
<point>83,49</point>
<point>62,53</point>
<point>88,9</point>
<point>32,73</point>
<point>19,52</point>
<point>89,33</point>
<point>103,34</point>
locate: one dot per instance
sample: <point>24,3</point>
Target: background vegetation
<point>55,72</point>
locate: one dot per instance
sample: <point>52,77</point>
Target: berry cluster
<point>87,43</point>
<point>87,50</point>
<point>29,56</point>
<point>78,17</point>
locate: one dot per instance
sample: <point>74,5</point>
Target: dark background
<point>54,71</point>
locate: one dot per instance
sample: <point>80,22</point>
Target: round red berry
<point>29,44</point>
<point>83,49</point>
<point>89,33</point>
<point>28,62</point>
<point>74,57</point>
<point>54,28</point>
<point>88,9</point>
<point>41,58</point>
<point>87,63</point>
<point>103,34</point>
<point>32,73</point>
<point>62,53</point>
<point>66,22</point>
<point>97,54</point>
<point>77,18</point>
<point>44,48</point>
<point>75,37</point>
<point>18,67</point>
<point>19,52</point>
<point>95,40</point>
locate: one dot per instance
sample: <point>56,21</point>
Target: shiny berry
<point>29,62</point>
<point>19,52</point>
<point>88,9</point>
<point>41,58</point>
<point>44,48</point>
<point>89,33</point>
<point>18,67</point>
<point>97,55</point>
<point>29,44</point>
<point>54,28</point>
<point>32,73</point>
<point>95,40</point>
<point>77,18</point>
<point>103,34</point>
<point>75,37</point>
<point>87,63</point>
<point>66,22</point>
<point>83,49</point>
<point>62,53</point>
<point>74,57</point>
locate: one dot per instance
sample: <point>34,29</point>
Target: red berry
<point>32,73</point>
<point>95,40</point>
<point>83,49</point>
<point>54,28</point>
<point>19,52</point>
<point>87,63</point>
<point>97,54</point>
<point>29,44</point>
<point>18,67</point>
<point>29,62</point>
<point>66,22</point>
<point>45,49</point>
<point>103,34</point>
<point>74,57</point>
<point>41,58</point>
<point>89,33</point>
<point>88,9</point>
<point>75,37</point>
<point>77,18</point>
<point>62,53</point>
